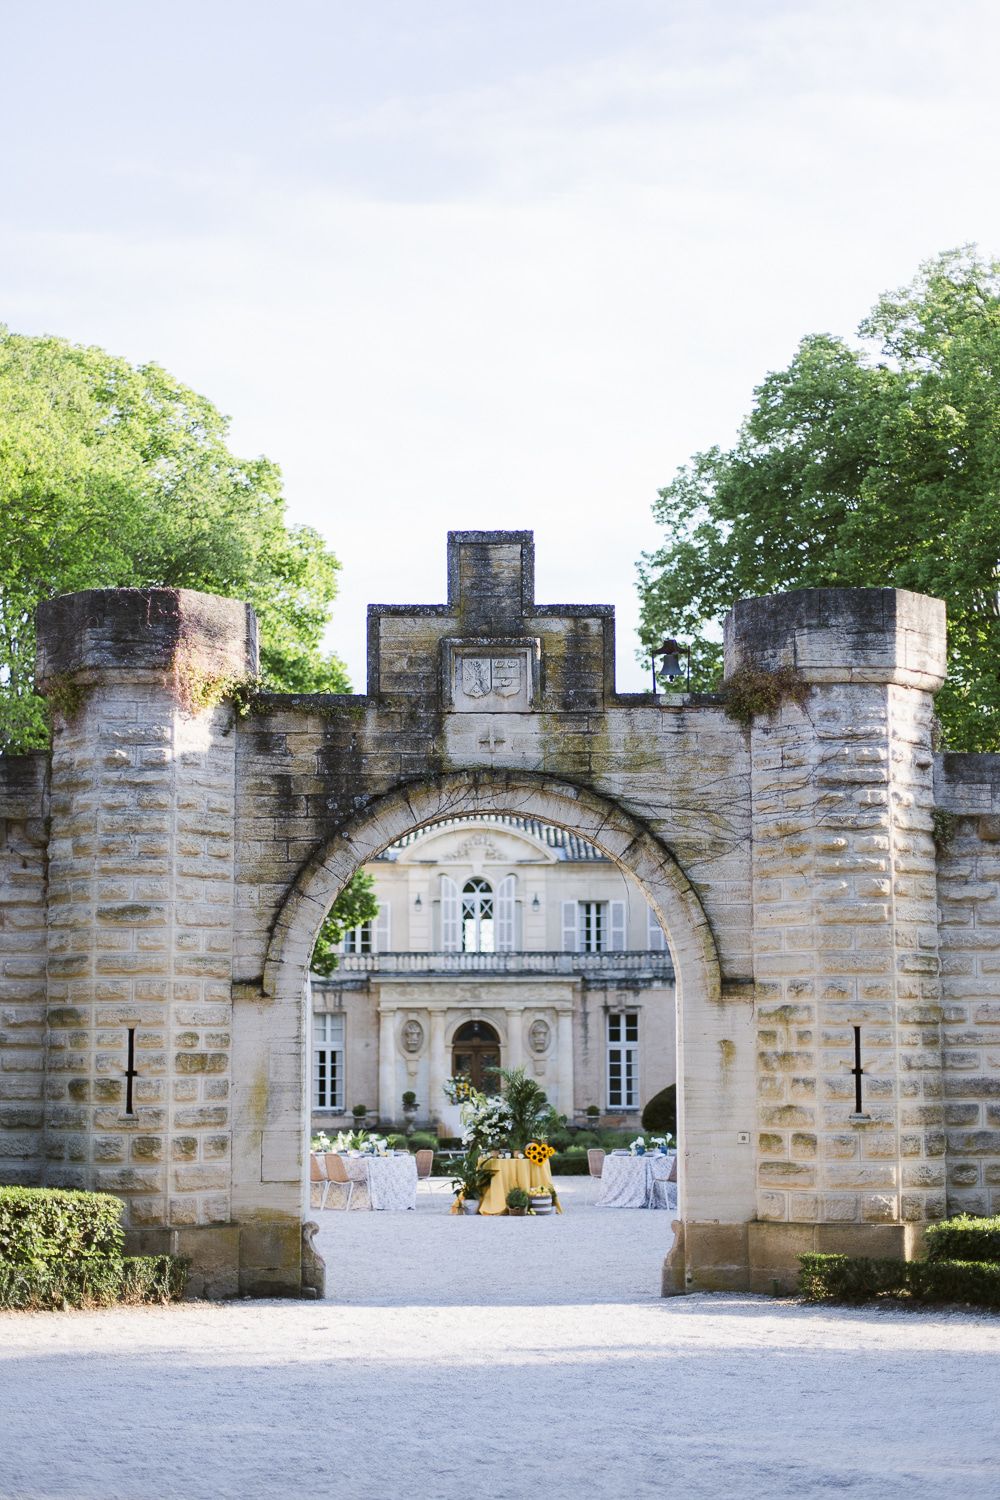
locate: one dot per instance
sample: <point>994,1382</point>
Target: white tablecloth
<point>382,1182</point>
<point>392,1181</point>
<point>628,1182</point>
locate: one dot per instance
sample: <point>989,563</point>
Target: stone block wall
<point>23,875</point>
<point>968,801</point>
<point>816,872</point>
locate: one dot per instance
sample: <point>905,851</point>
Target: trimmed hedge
<point>39,1225</point>
<point>964,1238</point>
<point>844,1278</point>
<point>97,1281</point>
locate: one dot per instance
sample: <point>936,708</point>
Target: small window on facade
<point>358,939</point>
<point>656,938</point>
<point>477,917</point>
<point>328,1063</point>
<point>623,1060</point>
<point>593,926</point>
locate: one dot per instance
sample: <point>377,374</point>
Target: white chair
<point>595,1165</point>
<point>317,1176</point>
<point>336,1172</point>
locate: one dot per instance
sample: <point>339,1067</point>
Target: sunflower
<point>536,1152</point>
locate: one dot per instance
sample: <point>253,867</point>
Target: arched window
<point>475,1054</point>
<point>477,917</point>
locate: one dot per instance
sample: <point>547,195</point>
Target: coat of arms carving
<point>490,677</point>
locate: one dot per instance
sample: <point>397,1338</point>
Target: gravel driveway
<point>503,1358</point>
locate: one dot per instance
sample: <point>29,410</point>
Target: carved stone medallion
<point>538,1035</point>
<point>413,1036</point>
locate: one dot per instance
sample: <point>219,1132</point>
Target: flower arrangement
<point>487,1121</point>
<point>459,1090</point>
<point>661,1142</point>
<point>637,1147</point>
<point>538,1152</point>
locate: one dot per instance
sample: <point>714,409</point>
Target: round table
<point>628,1182</point>
<point>511,1172</point>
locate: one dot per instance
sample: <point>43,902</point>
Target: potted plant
<point>359,1111</point>
<point>593,1113</point>
<point>471,1180</point>
<point>410,1107</point>
<point>542,1201</point>
<point>518,1202</point>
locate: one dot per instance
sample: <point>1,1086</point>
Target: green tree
<point>117,475</point>
<point>355,904</point>
<point>876,465</point>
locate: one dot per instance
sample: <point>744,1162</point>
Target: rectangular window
<point>623,1060</point>
<point>593,926</point>
<point>656,938</point>
<point>328,1062</point>
<point>358,939</point>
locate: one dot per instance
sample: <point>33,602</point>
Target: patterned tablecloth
<point>383,1182</point>
<point>628,1182</point>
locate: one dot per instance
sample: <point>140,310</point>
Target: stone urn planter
<point>470,1205</point>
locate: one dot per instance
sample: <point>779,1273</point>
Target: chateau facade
<point>501,941</point>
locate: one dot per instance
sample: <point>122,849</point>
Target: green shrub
<point>566,1164</point>
<point>421,1140</point>
<point>41,1225</point>
<point>96,1281</point>
<point>843,1278</point>
<point>964,1238</point>
<point>518,1197</point>
<point>660,1115</point>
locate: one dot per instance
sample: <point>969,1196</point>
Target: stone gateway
<point>821,874</point>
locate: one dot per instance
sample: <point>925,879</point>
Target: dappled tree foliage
<point>355,904</point>
<point>116,475</point>
<point>859,466</point>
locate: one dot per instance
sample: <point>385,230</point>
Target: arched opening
<point>477,916</point>
<point>475,1054</point>
<point>714,1039</point>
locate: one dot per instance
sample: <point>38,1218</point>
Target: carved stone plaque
<point>484,678</point>
<point>413,1036</point>
<point>538,1035</point>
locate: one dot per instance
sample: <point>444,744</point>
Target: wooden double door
<point>475,1054</point>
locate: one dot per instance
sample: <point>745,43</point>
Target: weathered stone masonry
<point>166,871</point>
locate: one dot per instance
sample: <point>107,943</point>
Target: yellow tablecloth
<point>508,1173</point>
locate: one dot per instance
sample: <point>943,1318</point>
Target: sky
<point>458,265</point>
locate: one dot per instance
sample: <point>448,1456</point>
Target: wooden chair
<point>317,1174</point>
<point>425,1161</point>
<point>336,1172</point>
<point>595,1165</point>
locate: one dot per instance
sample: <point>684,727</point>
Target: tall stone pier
<point>829,885</point>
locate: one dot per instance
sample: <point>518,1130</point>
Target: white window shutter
<point>506,892</point>
<point>656,938</point>
<point>570,927</point>
<point>451,935</point>
<point>616,942</point>
<point>382,930</point>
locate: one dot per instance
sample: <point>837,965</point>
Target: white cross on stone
<point>491,740</point>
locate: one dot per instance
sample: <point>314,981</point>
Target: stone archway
<point>171,861</point>
<point>715,1036</point>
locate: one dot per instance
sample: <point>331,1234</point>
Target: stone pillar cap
<point>842,635</point>
<point>144,634</point>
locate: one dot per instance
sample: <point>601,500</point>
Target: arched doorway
<point>715,1038</point>
<point>475,1054</point>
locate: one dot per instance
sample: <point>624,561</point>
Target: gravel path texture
<point>498,1358</point>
